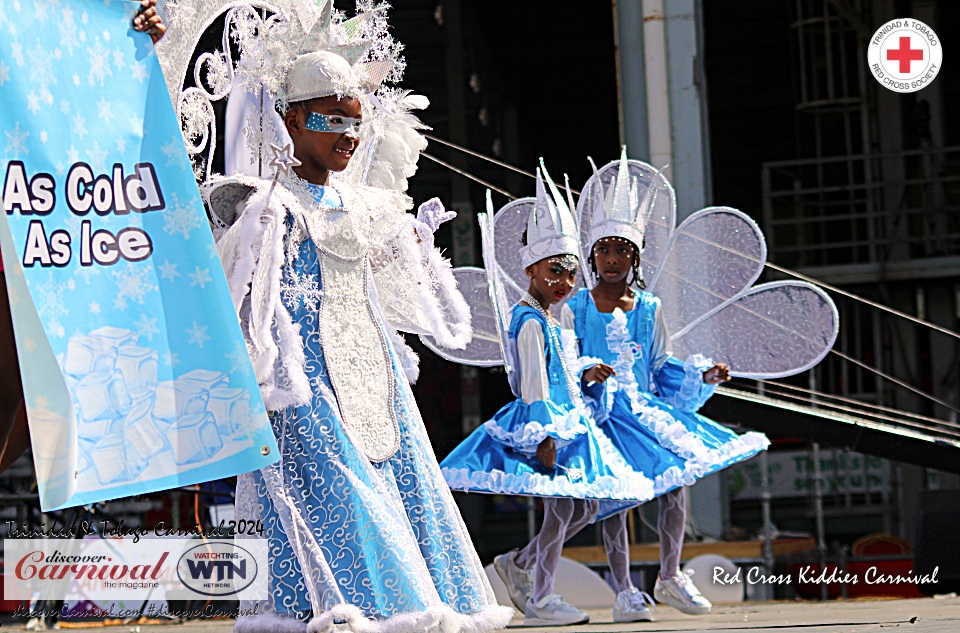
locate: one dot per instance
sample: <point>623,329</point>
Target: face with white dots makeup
<point>552,279</point>
<point>322,152</point>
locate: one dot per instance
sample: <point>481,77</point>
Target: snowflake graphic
<point>198,335</point>
<point>85,272</point>
<point>122,145</point>
<point>171,359</point>
<point>105,109</point>
<point>4,73</point>
<point>239,361</point>
<point>50,304</point>
<point>94,307</point>
<point>99,63</point>
<point>46,96</point>
<point>172,151</point>
<point>98,158</point>
<point>147,326</point>
<point>73,155</point>
<point>180,219</point>
<point>118,59</point>
<point>79,126</point>
<point>41,65</point>
<point>168,271</point>
<point>33,103</point>
<point>139,71</point>
<point>16,142</point>
<point>65,106</point>
<point>16,52</point>
<point>301,289</point>
<point>200,277</point>
<point>133,283</point>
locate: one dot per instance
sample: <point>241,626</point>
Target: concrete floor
<point>927,615</point>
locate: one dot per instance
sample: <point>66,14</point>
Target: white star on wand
<point>283,160</point>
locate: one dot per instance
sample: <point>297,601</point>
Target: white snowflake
<point>51,305</point>
<point>4,73</point>
<point>76,80</point>
<point>136,123</point>
<point>98,158</point>
<point>68,29</point>
<point>43,136</point>
<point>79,126</point>
<point>171,359</point>
<point>134,282</point>
<point>239,361</point>
<point>61,169</point>
<point>118,58</point>
<point>99,63</point>
<point>41,65</point>
<point>146,326</point>
<point>65,106</point>
<point>121,145</point>
<point>168,271</point>
<point>85,272</point>
<point>172,151</point>
<point>16,142</point>
<point>16,52</point>
<point>46,96</point>
<point>139,71</point>
<point>94,307</point>
<point>106,34</point>
<point>73,156</point>
<point>105,109</point>
<point>200,277</point>
<point>33,103</point>
<point>198,334</point>
<point>84,17</point>
<point>180,218</point>
<point>301,289</point>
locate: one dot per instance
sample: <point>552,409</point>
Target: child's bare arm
<point>717,374</point>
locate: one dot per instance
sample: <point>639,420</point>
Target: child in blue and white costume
<point>545,442</point>
<point>648,408</point>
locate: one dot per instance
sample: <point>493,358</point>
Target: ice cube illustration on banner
<point>136,376</point>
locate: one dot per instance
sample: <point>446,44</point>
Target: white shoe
<point>553,611</point>
<point>519,582</point>
<point>633,605</point>
<point>680,593</point>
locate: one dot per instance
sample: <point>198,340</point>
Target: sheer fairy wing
<point>714,255</point>
<point>510,222</point>
<point>489,293</point>
<point>770,331</point>
<point>659,227</point>
<point>484,348</point>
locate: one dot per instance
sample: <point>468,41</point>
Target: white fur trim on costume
<point>348,618</point>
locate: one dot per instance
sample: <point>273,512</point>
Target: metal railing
<point>862,209</point>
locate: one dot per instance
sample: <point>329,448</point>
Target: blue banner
<point>136,376</point>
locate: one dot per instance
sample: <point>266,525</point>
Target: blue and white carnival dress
<point>361,527</point>
<point>648,410</point>
<point>500,456</point>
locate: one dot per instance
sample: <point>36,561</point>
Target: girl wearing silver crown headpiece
<point>324,266</point>
<point>648,408</point>
<point>544,443</point>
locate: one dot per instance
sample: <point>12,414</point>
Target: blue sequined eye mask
<point>335,123</point>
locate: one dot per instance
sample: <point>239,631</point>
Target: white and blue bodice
<point>636,344</point>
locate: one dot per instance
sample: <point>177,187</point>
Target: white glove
<point>432,213</point>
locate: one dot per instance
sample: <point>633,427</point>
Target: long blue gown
<point>350,537</point>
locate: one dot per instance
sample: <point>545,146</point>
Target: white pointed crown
<point>621,212</point>
<point>551,228</point>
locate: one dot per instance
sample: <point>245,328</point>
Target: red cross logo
<point>905,54</point>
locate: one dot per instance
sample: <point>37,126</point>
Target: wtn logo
<point>219,569</point>
<point>225,569</point>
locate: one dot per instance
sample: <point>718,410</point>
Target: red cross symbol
<point>905,54</point>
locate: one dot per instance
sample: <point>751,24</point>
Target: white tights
<point>562,518</point>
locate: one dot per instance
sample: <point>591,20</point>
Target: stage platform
<point>922,615</point>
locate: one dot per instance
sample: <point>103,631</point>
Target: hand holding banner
<point>136,376</point>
